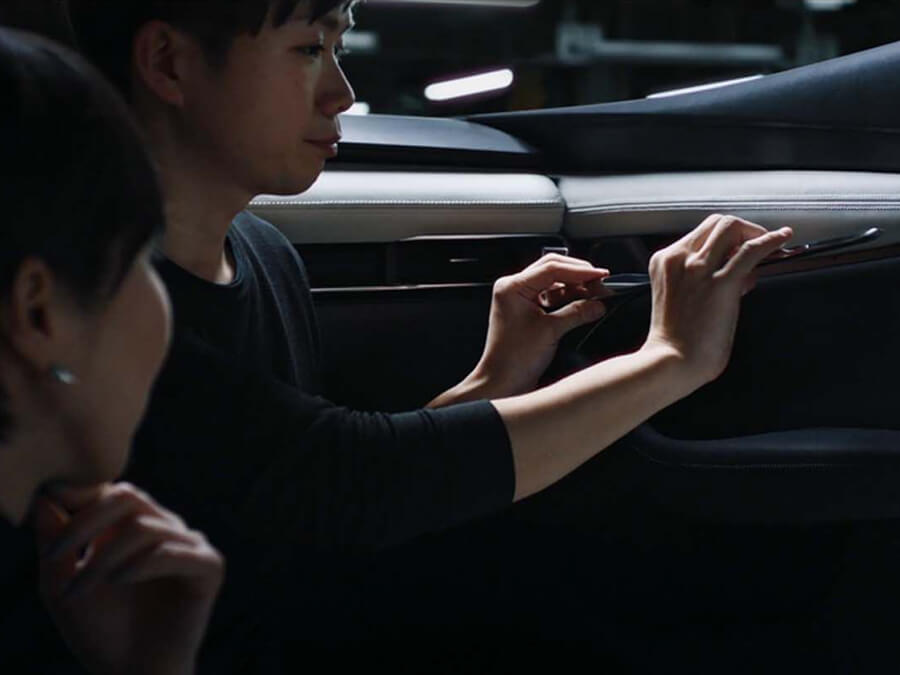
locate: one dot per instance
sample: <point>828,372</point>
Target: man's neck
<point>201,252</point>
<point>200,206</point>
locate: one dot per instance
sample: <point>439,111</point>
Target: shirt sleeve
<point>275,463</point>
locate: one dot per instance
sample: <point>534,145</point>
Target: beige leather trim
<point>817,204</point>
<point>363,206</point>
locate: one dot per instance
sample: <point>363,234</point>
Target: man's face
<point>267,120</point>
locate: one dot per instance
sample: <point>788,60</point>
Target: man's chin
<point>294,184</point>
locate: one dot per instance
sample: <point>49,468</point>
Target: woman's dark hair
<point>78,187</point>
<point>104,30</point>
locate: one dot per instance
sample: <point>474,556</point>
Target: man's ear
<point>161,57</point>
<point>30,315</point>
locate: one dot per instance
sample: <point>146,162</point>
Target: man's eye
<point>315,51</point>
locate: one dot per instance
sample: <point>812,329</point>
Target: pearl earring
<point>63,375</point>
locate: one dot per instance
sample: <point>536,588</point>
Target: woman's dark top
<point>284,483</point>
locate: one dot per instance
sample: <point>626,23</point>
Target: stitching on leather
<point>812,197</point>
<point>417,204</point>
<point>770,206</point>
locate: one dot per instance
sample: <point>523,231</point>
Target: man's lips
<point>328,145</point>
<point>332,140</point>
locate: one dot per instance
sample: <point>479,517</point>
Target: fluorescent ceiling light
<point>361,41</point>
<point>703,87</point>
<point>828,5</point>
<point>470,86</point>
<point>514,4</point>
<point>359,108</point>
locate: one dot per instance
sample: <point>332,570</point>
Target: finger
<point>556,257</point>
<point>145,534</point>
<point>532,282</point>
<point>558,286</point>
<point>173,559</point>
<point>151,504</point>
<point>578,313</point>
<point>116,504</point>
<point>74,497</point>
<point>563,295</point>
<point>727,235</point>
<point>695,239</point>
<point>754,251</point>
<point>597,289</point>
<point>49,521</point>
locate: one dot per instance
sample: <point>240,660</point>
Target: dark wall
<point>423,44</point>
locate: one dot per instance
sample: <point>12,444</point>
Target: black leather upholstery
<point>837,114</point>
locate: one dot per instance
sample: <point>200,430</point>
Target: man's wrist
<point>676,369</point>
<point>484,383</point>
<point>477,385</point>
<point>474,387</point>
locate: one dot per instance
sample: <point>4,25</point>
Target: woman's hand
<point>697,285</point>
<point>524,328</point>
<point>129,586</point>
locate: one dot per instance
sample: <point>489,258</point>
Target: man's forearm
<point>556,429</point>
<point>475,387</point>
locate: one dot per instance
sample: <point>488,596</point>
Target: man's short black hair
<point>104,30</point>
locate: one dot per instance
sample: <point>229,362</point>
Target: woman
<point>84,327</point>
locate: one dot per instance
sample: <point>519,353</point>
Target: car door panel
<point>734,506</point>
<point>817,204</point>
<point>403,297</point>
<point>389,206</point>
<point>402,266</point>
<point>802,425</point>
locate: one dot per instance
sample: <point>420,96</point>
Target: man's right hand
<point>698,283</point>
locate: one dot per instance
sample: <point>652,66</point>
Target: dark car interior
<point>756,517</point>
<point>750,528</point>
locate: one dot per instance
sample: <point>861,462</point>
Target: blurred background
<point>458,57</point>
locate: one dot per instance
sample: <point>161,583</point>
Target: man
<point>243,97</point>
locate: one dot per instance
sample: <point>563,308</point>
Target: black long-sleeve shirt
<point>234,423</point>
<point>285,483</point>
<point>239,451</point>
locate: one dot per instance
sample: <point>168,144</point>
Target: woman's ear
<point>161,55</point>
<point>31,316</point>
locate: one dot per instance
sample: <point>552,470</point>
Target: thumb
<point>577,314</point>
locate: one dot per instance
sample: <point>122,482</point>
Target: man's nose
<point>337,95</point>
